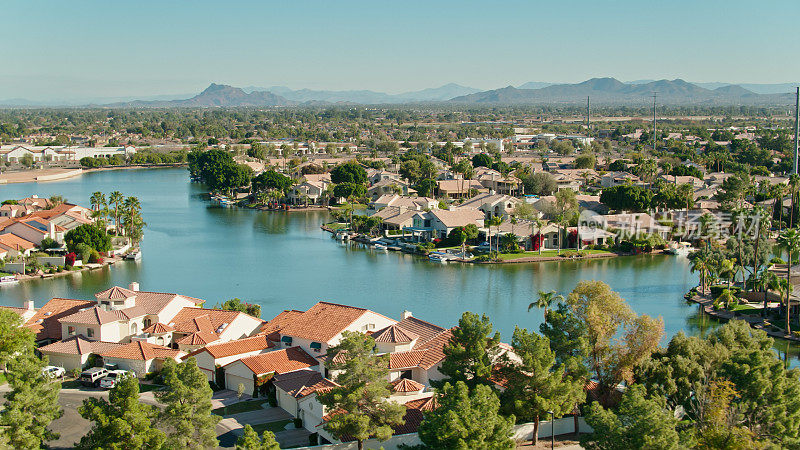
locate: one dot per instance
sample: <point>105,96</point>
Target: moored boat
<point>9,279</point>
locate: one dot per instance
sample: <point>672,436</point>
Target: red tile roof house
<point>218,354</point>
<point>297,394</point>
<point>140,357</point>
<point>73,353</point>
<point>248,371</point>
<point>121,314</point>
<point>195,328</point>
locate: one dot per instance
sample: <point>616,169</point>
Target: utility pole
<point>654,121</point>
<point>588,130</point>
<point>796,126</point>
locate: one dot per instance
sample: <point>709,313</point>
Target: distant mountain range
<point>610,91</point>
<point>602,91</point>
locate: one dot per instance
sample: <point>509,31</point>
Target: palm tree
<point>116,198</point>
<point>544,301</point>
<point>768,280</point>
<point>790,240</point>
<point>794,182</point>
<point>96,200</point>
<point>539,223</point>
<point>494,221</point>
<point>700,264</point>
<point>727,270</point>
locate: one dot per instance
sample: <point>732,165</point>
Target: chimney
<point>134,286</point>
<point>29,305</point>
<point>407,314</point>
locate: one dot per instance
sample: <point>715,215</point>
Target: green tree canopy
<point>536,384</point>
<point>470,351</point>
<point>466,420</point>
<point>187,401</point>
<point>349,172</point>
<point>31,404</point>
<point>250,440</point>
<point>90,235</point>
<point>627,197</point>
<point>271,179</point>
<point>236,304</point>
<point>14,338</point>
<point>639,422</point>
<point>122,422</point>
<point>361,402</point>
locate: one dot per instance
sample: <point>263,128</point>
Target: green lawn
<point>336,226</point>
<point>746,309</point>
<point>71,384</point>
<point>147,387</point>
<point>544,254</point>
<point>272,426</point>
<point>240,407</point>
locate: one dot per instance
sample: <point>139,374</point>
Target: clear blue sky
<point>70,49</point>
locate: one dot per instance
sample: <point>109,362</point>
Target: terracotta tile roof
<point>237,347</point>
<point>394,334</point>
<point>406,385</point>
<point>79,345</point>
<point>405,360</point>
<point>323,321</point>
<point>423,404</point>
<point>198,338</point>
<point>423,356</point>
<point>115,293</point>
<point>280,361</point>
<point>45,322</point>
<point>14,242</point>
<point>272,328</point>
<point>425,330</point>
<point>158,328</point>
<point>415,410</point>
<point>302,383</point>
<point>201,319</point>
<point>141,351</point>
<point>150,302</point>
<point>95,316</point>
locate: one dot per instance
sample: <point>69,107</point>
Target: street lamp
<point>552,430</point>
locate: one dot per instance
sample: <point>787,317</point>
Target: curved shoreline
<point>45,175</point>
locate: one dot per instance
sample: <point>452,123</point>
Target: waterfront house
<point>307,192</point>
<point>612,179</point>
<point>388,187</point>
<point>73,353</point>
<point>197,327</point>
<point>15,245</point>
<point>459,188</point>
<point>493,205</point>
<point>404,202</point>
<point>217,354</point>
<point>296,393</point>
<point>415,349</point>
<point>394,218</point>
<point>139,356</point>
<point>254,371</point>
<point>437,224</point>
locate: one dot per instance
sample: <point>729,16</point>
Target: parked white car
<point>53,372</point>
<point>110,380</point>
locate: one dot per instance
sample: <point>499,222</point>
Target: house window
<point>70,330</point>
<point>147,322</point>
<point>90,332</point>
<point>134,328</point>
<point>316,346</point>
<point>405,374</point>
<point>287,340</point>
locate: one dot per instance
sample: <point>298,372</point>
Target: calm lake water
<point>284,261</point>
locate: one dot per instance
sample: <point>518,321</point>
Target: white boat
<point>134,256</point>
<point>9,279</point>
<point>679,248</point>
<point>438,257</point>
<point>380,247</point>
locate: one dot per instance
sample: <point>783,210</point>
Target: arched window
<point>134,328</point>
<point>160,340</point>
<point>147,322</point>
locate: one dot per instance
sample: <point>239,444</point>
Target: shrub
<point>69,259</point>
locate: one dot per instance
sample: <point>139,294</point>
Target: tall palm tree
<point>794,182</point>
<point>768,280</point>
<point>790,240</point>
<point>700,264</point>
<point>96,200</point>
<point>539,223</point>
<point>116,198</point>
<point>727,270</point>
<point>544,301</point>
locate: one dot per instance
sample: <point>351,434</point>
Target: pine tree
<point>466,420</point>
<point>122,422</point>
<point>187,400</point>
<point>470,352</point>
<point>14,339</point>
<point>31,404</point>
<point>250,440</point>
<point>536,385</point>
<point>361,402</point>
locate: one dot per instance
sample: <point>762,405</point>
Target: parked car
<point>91,377</point>
<point>110,380</point>
<point>53,372</point>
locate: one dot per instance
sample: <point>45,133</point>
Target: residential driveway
<point>297,437</point>
<point>226,397</point>
<point>231,427</point>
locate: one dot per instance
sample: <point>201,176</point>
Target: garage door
<point>232,383</point>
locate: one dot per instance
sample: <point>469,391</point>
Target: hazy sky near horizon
<point>94,49</point>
